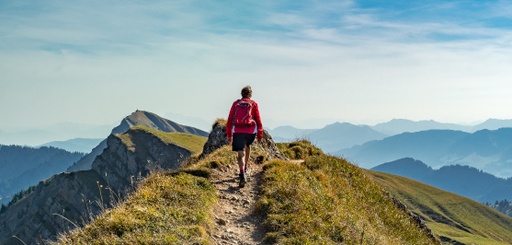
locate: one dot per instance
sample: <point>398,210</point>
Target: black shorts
<point>240,141</point>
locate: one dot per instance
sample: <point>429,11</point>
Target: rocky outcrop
<point>71,199</point>
<point>417,219</point>
<point>145,153</point>
<point>218,139</point>
<point>138,117</point>
<point>57,205</point>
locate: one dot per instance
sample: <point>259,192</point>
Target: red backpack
<point>243,114</point>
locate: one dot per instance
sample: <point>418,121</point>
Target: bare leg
<point>240,159</point>
<point>247,155</point>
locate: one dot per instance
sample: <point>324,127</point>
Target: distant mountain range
<point>487,150</point>
<point>21,167</point>
<point>463,180</point>
<point>58,132</point>
<point>398,126</point>
<point>75,145</point>
<point>329,138</point>
<point>337,136</point>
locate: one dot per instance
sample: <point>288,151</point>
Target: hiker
<point>242,127</point>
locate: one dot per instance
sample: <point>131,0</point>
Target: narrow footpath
<point>236,221</point>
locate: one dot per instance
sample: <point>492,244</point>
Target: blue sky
<point>310,63</point>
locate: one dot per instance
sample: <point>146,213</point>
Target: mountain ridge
<point>398,126</point>
<point>341,139</point>
<point>139,117</point>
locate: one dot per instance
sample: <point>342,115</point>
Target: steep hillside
<point>68,199</point>
<point>328,200</point>
<point>451,217</point>
<point>319,200</point>
<point>167,208</point>
<point>21,167</point>
<point>138,117</point>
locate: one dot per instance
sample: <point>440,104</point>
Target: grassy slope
<point>165,209</point>
<point>324,200</point>
<point>448,214</point>
<point>190,142</point>
<point>168,208</point>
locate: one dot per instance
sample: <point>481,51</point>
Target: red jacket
<point>255,129</point>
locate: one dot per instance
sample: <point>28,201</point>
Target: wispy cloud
<point>356,54</point>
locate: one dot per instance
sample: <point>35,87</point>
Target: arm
<point>257,118</point>
<point>229,123</point>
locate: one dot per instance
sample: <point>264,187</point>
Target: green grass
<point>165,209</point>
<point>326,200</point>
<point>321,200</point>
<point>190,142</point>
<point>448,214</point>
<point>298,149</point>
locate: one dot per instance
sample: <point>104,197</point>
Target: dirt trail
<point>236,221</point>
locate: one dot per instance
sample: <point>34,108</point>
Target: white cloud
<point>97,62</point>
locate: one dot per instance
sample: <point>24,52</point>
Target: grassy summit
<point>190,142</point>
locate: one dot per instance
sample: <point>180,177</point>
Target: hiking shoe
<point>242,180</point>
